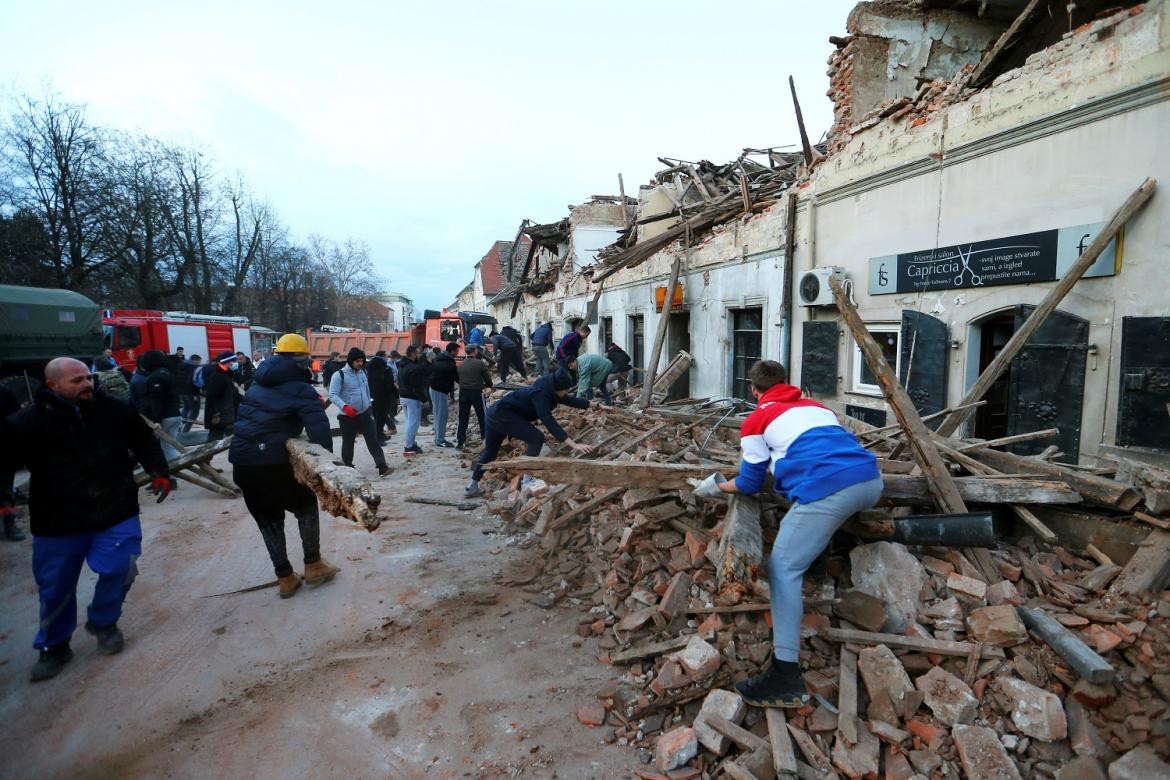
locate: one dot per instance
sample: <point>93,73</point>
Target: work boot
<point>51,662</point>
<point>109,638</point>
<point>780,686</point>
<point>288,585</point>
<point>11,532</point>
<point>384,470</point>
<point>472,490</point>
<point>319,572</point>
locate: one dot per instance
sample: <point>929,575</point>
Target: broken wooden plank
<point>741,547</point>
<point>654,648</point>
<point>905,490</point>
<point>194,455</point>
<point>1148,569</point>
<point>610,473</point>
<point>737,734</point>
<point>783,758</point>
<point>899,642</point>
<point>1003,43</point>
<point>939,481</point>
<point>1068,646</point>
<point>1157,522</point>
<point>1002,441</point>
<point>584,509</point>
<point>1056,293</point>
<point>1092,488</point>
<point>342,490</point>
<point>660,332</point>
<point>847,696</point>
<point>206,484</point>
<point>813,754</point>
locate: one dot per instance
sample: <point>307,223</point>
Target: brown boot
<point>288,585</point>
<point>319,572</point>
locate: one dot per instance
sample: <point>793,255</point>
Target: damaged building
<point>977,149</point>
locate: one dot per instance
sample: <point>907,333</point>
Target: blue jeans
<point>440,406</point>
<point>413,417</point>
<point>189,406</point>
<point>804,534</point>
<point>57,560</point>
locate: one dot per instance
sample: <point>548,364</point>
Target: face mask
<point>303,362</point>
<point>235,366</point>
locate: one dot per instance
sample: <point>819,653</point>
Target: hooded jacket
<point>536,402</point>
<point>350,386</point>
<point>414,379</point>
<point>444,374</point>
<point>81,460</point>
<point>513,334</point>
<point>619,357</point>
<point>279,405</point>
<point>810,454</point>
<point>475,337</point>
<point>381,379</point>
<point>161,395</point>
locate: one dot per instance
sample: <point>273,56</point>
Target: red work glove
<point>162,487</point>
<point>349,411</point>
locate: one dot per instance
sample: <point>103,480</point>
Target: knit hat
<point>354,354</point>
<point>562,379</point>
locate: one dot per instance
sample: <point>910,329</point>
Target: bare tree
<point>191,217</point>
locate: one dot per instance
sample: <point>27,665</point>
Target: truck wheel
<point>20,387</point>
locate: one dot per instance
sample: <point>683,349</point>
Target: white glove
<point>709,487</point>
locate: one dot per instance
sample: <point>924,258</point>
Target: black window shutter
<point>818,363</point>
<point>924,347</point>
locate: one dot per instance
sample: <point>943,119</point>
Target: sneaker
<point>472,491</point>
<point>445,443</point>
<point>109,638</point>
<point>383,470</point>
<point>415,450</point>
<point>780,686</point>
<point>51,662</point>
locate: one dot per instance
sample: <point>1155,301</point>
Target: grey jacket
<point>347,386</point>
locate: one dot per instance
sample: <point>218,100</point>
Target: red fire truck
<point>130,332</point>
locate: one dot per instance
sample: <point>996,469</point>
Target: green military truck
<point>37,325</point>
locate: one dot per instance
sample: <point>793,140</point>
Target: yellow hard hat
<point>292,342</point>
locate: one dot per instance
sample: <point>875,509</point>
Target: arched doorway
<point>1044,386</point>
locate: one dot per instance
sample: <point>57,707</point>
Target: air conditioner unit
<point>814,286</point>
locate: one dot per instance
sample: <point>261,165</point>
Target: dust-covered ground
<point>412,663</point>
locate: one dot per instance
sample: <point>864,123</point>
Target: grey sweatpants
<point>804,534</point>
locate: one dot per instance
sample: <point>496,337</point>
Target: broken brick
<point>725,704</point>
<point>983,757</point>
<point>676,747</point>
<point>997,625</point>
<point>947,696</point>
<point>1035,711</point>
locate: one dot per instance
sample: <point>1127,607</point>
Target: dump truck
<point>38,324</point>
<point>437,329</point>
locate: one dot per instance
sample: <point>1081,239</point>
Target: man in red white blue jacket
<point>818,466</point>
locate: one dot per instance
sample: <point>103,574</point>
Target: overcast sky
<point>431,129</point>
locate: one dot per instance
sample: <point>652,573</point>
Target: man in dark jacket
<point>219,386</point>
<point>278,406</point>
<point>512,416</point>
<point>444,375</point>
<point>414,386</point>
<point>334,363</point>
<point>384,393</point>
<point>80,447</point>
<point>474,376</point>
<point>621,365</point>
<point>243,375</point>
<point>507,356</point>
<point>570,347</point>
<point>541,341</point>
<point>161,397</point>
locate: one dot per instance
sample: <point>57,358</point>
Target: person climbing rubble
<point>827,475</point>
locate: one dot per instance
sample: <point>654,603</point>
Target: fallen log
<point>343,491</point>
<point>1093,489</point>
<point>741,547</point>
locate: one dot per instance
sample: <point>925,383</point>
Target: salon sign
<point>1031,257</point>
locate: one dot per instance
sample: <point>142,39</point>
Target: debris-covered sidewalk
<point>958,651</point>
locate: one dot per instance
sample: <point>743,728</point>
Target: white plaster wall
<point>1077,176</point>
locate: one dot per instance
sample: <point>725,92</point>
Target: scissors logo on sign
<point>965,259</point>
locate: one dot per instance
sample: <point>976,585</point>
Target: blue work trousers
<point>505,426</point>
<point>804,534</point>
<point>111,554</point>
<point>441,406</point>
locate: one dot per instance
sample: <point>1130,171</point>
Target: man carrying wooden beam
<point>278,405</point>
<point>818,466</point>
